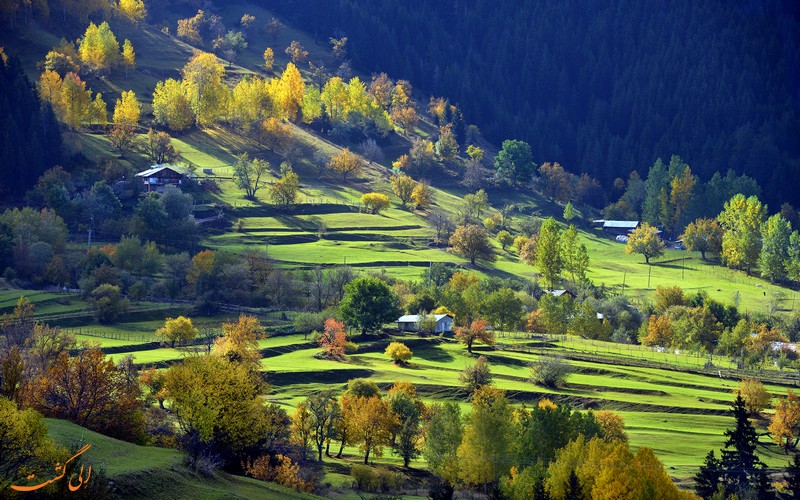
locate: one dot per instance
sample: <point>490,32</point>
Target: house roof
<point>164,166</point>
<point>558,293</point>
<point>621,224</point>
<point>415,318</point>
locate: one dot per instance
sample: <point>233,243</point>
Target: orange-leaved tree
<point>475,331</point>
<point>333,338</point>
<point>785,425</point>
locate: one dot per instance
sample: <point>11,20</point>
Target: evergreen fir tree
<point>574,490</point>
<point>708,477</point>
<point>742,469</point>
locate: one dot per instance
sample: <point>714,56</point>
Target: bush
<point>549,371</point>
<point>366,478</point>
<point>399,353</point>
<point>476,376</point>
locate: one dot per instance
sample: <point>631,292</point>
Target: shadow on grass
<point>434,354</point>
<point>317,376</point>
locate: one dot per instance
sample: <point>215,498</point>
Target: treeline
<point>30,140</point>
<point>601,88</point>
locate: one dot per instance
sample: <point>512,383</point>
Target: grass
<point>149,472</point>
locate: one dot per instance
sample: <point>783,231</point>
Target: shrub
<point>364,478</point>
<point>476,376</point>
<point>549,371</point>
<point>375,202</point>
<point>399,353</point>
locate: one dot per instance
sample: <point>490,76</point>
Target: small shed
<point>560,293</point>
<point>617,227</point>
<point>410,323</point>
<point>158,176</point>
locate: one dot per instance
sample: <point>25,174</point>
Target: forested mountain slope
<point>601,87</point>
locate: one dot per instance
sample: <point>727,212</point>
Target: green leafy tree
<point>503,309</point>
<point>504,238</point>
<point>569,212</point>
<point>367,304</point>
<point>644,240</point>
<point>323,408</point>
<point>793,263</point>
<point>514,162</point>
<point>248,173</point>
<point>548,252</point>
<point>23,442</point>
<point>444,431</point>
<point>741,219</point>
<point>283,192</point>
<point>703,235</point>
<point>107,302</point>
<point>218,403</point>
<point>776,233</point>
<point>574,255</point>
<point>230,45</point>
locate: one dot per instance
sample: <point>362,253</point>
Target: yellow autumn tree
<point>77,101</point>
<point>269,58</point>
<point>208,95</point>
<point>612,424</point>
<point>128,56</point>
<point>755,395</point>
<point>302,428</point>
<point>99,48</point>
<point>368,422</point>
<point>178,329</point>
<point>422,196</point>
<point>403,186</point>
<point>172,106</point>
<point>374,202</point>
<point>49,87</point>
<point>290,92</point>
<point>659,331</point>
<point>346,162</point>
<point>239,342</point>
<point>127,110</point>
<point>483,453</point>
<point>785,424</point>
<point>133,10</point>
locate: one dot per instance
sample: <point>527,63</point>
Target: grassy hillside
<point>148,472</point>
<point>326,227</point>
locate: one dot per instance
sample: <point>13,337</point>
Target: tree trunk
<point>319,453</point>
<point>341,448</point>
<point>328,447</point>
<point>366,457</point>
